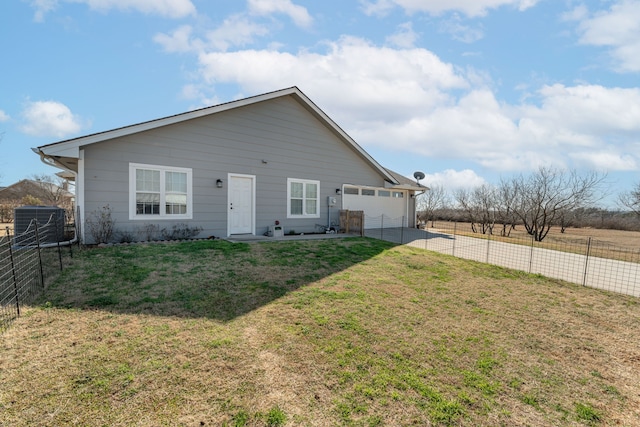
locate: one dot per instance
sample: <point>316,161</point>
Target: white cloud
<point>166,8</point>
<point>179,40</point>
<point>470,8</point>
<point>379,7</point>
<point>4,117</point>
<point>460,31</point>
<point>578,13</point>
<point>405,37</point>
<point>617,28</point>
<point>593,109</point>
<point>410,101</point>
<point>298,14</point>
<point>236,30</point>
<point>361,83</point>
<point>452,180</point>
<point>50,118</point>
<point>42,7</point>
<point>604,160</point>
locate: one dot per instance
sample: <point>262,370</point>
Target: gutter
<point>50,161</point>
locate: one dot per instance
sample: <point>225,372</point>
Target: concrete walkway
<point>601,273</point>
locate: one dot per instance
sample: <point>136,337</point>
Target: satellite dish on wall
<point>418,176</point>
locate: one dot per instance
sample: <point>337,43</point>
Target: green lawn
<point>351,331</point>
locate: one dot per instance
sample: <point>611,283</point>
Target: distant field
<point>352,332</point>
<point>625,239</point>
<point>612,244</point>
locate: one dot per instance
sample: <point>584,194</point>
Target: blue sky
<point>467,91</point>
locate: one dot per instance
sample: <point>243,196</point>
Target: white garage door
<point>382,207</point>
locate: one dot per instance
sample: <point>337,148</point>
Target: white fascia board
<point>72,151</point>
<point>409,187</point>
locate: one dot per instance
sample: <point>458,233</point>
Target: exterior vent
<point>54,232</point>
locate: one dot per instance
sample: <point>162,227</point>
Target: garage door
<point>382,207</point>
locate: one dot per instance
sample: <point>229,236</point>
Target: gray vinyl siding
<point>281,132</point>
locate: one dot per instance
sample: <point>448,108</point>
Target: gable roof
<point>65,154</point>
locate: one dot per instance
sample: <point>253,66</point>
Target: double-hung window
<point>161,192</point>
<point>303,198</point>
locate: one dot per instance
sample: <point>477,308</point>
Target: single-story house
<point>228,169</point>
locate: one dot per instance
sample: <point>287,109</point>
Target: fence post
<point>586,262</point>
<point>382,227</point>
<point>531,256</point>
<point>488,240</point>
<point>453,249</point>
<point>58,241</point>
<point>78,225</point>
<point>13,274</point>
<point>402,232</point>
<point>39,255</point>
<point>426,236</point>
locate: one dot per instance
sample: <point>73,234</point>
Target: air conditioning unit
<point>53,233</point>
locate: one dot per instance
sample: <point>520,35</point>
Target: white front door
<point>241,207</point>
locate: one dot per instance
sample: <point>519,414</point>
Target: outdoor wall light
<point>338,191</point>
<point>219,183</point>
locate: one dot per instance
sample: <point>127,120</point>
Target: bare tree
<point>431,200</point>
<point>464,200</point>
<point>479,206</point>
<point>544,196</point>
<point>631,199</point>
<point>54,190</point>
<point>505,207</point>
<point>485,198</point>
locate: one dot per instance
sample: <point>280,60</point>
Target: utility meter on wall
<point>331,201</point>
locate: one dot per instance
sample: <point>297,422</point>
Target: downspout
<point>415,208</point>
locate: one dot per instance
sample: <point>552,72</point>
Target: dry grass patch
<point>335,332</point>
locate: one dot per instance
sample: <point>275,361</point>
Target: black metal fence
<point>582,260</point>
<point>27,260</point>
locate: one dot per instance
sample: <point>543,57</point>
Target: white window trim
<point>303,181</point>
<point>163,215</point>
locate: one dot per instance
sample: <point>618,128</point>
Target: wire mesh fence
<point>582,260</point>
<point>27,259</point>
